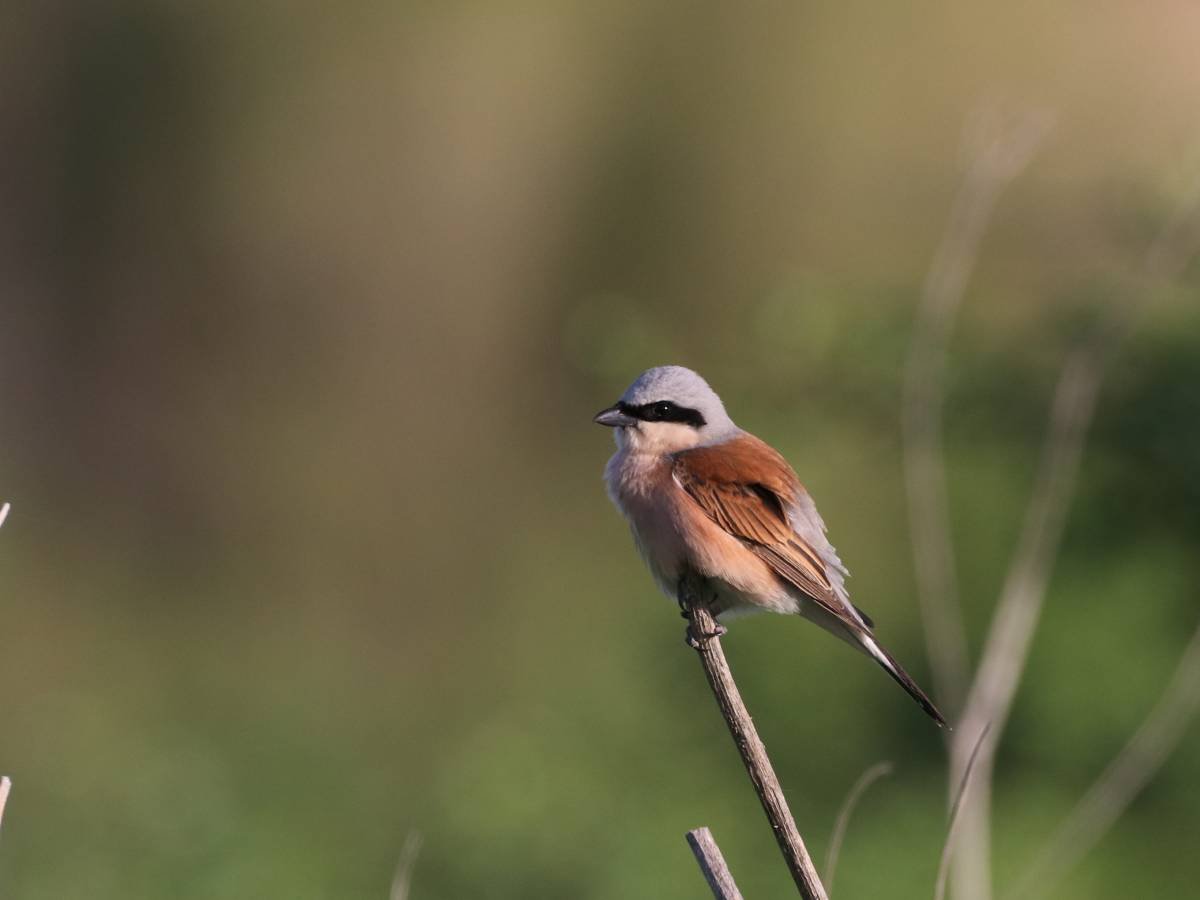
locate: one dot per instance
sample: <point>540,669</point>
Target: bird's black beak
<point>613,418</point>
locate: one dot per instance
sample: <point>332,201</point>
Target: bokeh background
<point>305,312</point>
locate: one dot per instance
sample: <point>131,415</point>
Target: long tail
<point>903,679</point>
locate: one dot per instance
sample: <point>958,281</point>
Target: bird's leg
<point>686,597</point>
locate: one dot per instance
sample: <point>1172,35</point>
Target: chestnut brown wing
<point>745,487</point>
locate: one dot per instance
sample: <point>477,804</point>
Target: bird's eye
<point>667,411</point>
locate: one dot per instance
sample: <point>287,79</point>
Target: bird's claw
<point>696,641</point>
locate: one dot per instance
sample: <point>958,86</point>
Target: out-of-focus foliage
<point>306,309</point>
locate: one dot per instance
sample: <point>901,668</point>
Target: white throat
<point>657,438</point>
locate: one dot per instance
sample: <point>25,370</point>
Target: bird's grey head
<point>667,409</point>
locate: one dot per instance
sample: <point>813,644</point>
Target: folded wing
<point>746,488</point>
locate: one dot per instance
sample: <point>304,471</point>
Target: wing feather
<point>745,487</point>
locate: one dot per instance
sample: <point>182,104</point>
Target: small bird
<point>707,500</point>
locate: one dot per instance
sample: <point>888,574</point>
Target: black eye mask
<point>663,411</point>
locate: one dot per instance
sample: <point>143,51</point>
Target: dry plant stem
<point>865,780</point>
<point>1006,648</point>
<point>402,880</point>
<point>939,890</point>
<point>1019,608</point>
<point>712,864</point>
<point>5,786</point>
<point>754,754</point>
<point>1124,778</point>
<point>997,157</point>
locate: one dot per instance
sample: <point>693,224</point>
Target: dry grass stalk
<point>712,864</point>
<point>1006,648</point>
<point>402,880</point>
<point>865,780</point>
<point>989,700</point>
<point>998,153</point>
<point>939,890</point>
<point>5,787</point>
<point>1121,781</point>
<point>754,755</point>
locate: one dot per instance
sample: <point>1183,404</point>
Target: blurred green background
<point>306,311</point>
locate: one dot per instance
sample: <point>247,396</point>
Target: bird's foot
<point>685,608</point>
<point>686,613</point>
<point>695,640</point>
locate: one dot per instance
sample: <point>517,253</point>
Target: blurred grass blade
<point>1124,778</point>
<point>948,848</point>
<point>402,880</point>
<point>865,780</point>
<point>5,783</point>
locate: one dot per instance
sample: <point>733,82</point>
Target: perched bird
<point>708,500</point>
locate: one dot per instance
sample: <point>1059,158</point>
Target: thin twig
<point>712,864</point>
<point>865,780</point>
<point>1006,648</point>
<point>402,880</point>
<point>939,890</point>
<point>1121,781</point>
<point>998,154</point>
<point>5,783</point>
<point>754,755</point>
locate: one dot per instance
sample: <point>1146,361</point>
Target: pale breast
<point>640,486</point>
<point>672,533</point>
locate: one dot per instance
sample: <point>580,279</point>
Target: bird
<point>708,501</point>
